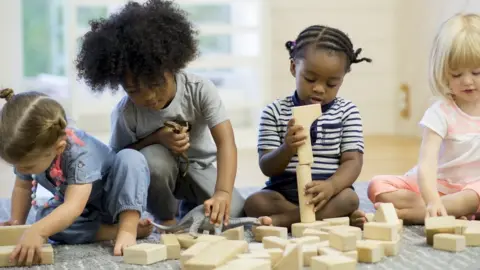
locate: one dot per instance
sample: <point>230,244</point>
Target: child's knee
<point>253,203</point>
<point>377,186</point>
<point>131,166</point>
<point>160,162</point>
<point>349,199</point>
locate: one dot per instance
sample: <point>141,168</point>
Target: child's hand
<point>218,208</point>
<point>177,143</point>
<point>295,136</point>
<point>28,249</point>
<point>436,208</point>
<point>9,223</point>
<point>322,192</point>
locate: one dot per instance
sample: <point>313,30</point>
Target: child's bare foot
<point>144,228</point>
<point>358,218</point>
<point>124,240</point>
<point>265,221</point>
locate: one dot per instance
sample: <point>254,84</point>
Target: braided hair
<point>324,37</point>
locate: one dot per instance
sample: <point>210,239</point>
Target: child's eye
<point>331,85</point>
<point>456,75</point>
<point>309,80</point>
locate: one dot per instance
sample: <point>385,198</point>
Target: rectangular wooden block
<point>192,251</point>
<point>299,228</point>
<point>390,248</point>
<point>237,233</point>
<point>370,217</point>
<point>309,251</point>
<point>11,234</point>
<point>246,264</point>
<point>472,236</point>
<point>47,255</point>
<point>172,244</point>
<point>460,226</point>
<point>304,116</point>
<point>449,242</point>
<point>326,250</point>
<point>324,236</point>
<point>386,213</point>
<point>351,254</point>
<point>292,258</point>
<point>185,240</point>
<point>256,255</point>
<point>338,221</point>
<point>145,254</point>
<point>350,229</point>
<point>304,176</point>
<point>369,252</point>
<point>380,231</point>
<point>333,262</point>
<point>434,225</point>
<point>217,254</point>
<point>275,254</point>
<point>342,240</point>
<point>306,240</point>
<point>274,242</point>
<point>263,231</point>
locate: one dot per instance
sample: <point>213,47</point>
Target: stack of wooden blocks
<point>9,237</point>
<point>450,234</point>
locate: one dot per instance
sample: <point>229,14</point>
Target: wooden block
<point>351,254</point>
<point>370,217</point>
<point>386,213</point>
<point>304,176</point>
<point>306,240</point>
<point>333,262</point>
<point>298,229</point>
<point>369,252</point>
<point>272,254</point>
<point>275,254</point>
<point>192,251</point>
<point>380,231</point>
<point>274,242</point>
<point>342,240</point>
<point>210,238</point>
<point>217,254</point>
<point>145,254</point>
<point>173,246</point>
<point>292,258</point>
<point>338,221</point>
<point>327,251</point>
<point>390,248</point>
<point>400,225</point>
<point>237,233</point>
<point>304,116</point>
<point>434,225</point>
<point>350,229</point>
<point>246,264</point>
<point>330,228</point>
<point>472,236</point>
<point>324,236</point>
<point>47,255</point>
<point>11,234</point>
<point>460,226</point>
<point>256,255</point>
<point>449,242</point>
<point>262,231</point>
<point>309,251</point>
<point>254,246</point>
<point>185,240</point>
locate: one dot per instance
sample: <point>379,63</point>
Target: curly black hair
<point>142,40</point>
<point>327,38</point>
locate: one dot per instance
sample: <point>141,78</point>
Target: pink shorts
<point>388,183</point>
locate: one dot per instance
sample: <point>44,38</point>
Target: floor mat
<point>414,253</point>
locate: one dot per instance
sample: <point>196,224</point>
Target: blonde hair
<point>456,46</point>
<point>30,123</point>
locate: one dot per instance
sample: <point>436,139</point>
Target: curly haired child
<point>144,48</point>
<point>446,180</point>
<point>99,195</point>
<point>320,57</point>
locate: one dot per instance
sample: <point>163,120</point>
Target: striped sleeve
<point>352,137</point>
<point>268,133</point>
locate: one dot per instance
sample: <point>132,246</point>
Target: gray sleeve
<point>26,177</point>
<point>122,126</point>
<point>211,105</point>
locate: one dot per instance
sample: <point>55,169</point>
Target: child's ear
<point>60,146</point>
<point>293,67</point>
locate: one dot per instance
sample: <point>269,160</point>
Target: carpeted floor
<point>414,253</point>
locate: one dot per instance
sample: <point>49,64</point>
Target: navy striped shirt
<point>338,130</point>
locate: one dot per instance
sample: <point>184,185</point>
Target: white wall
<point>11,60</point>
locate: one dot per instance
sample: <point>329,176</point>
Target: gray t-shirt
<point>196,101</point>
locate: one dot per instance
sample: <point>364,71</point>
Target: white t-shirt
<point>459,157</point>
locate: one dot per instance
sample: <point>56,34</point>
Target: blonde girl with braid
<point>99,195</point>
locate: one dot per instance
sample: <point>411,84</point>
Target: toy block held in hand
<point>434,225</point>
<point>308,252</point>
<point>324,236</point>
<point>333,262</point>
<point>274,242</point>
<point>237,233</point>
<point>380,231</point>
<point>343,241</point>
<point>390,248</point>
<point>472,236</point>
<point>292,258</point>
<point>145,254</point>
<point>47,255</point>
<point>304,176</point>
<point>386,213</point>
<point>449,242</point>
<point>338,221</point>
<point>216,254</point>
<point>262,231</point>
<point>172,244</point>
<point>11,234</point>
<point>246,264</point>
<point>369,252</point>
<point>299,228</point>
<point>192,251</point>
<point>305,116</point>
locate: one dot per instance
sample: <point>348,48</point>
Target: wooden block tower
<point>304,116</point>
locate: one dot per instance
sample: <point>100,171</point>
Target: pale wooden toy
<point>299,228</point>
<point>369,252</point>
<point>472,236</point>
<point>292,258</point>
<point>308,252</point>
<point>442,224</point>
<point>370,217</point>
<point>306,240</point>
<point>460,226</point>
<point>237,233</point>
<point>338,221</point>
<point>274,242</point>
<point>324,236</point>
<point>145,254</point>
<point>11,234</point>
<point>386,213</point>
<point>333,262</point>
<point>246,264</point>
<point>304,176</point>
<point>173,246</point>
<point>449,242</point>
<point>350,229</point>
<point>262,231</point>
<point>255,255</point>
<point>351,254</point>
<point>343,241</point>
<point>274,254</point>
<point>47,255</point>
<point>391,248</point>
<point>380,231</point>
<point>192,251</point>
<point>216,254</point>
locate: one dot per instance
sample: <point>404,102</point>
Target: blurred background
<point>243,53</point>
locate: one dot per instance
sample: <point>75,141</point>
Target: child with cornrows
<point>320,57</point>
<point>446,180</point>
<point>99,195</point>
